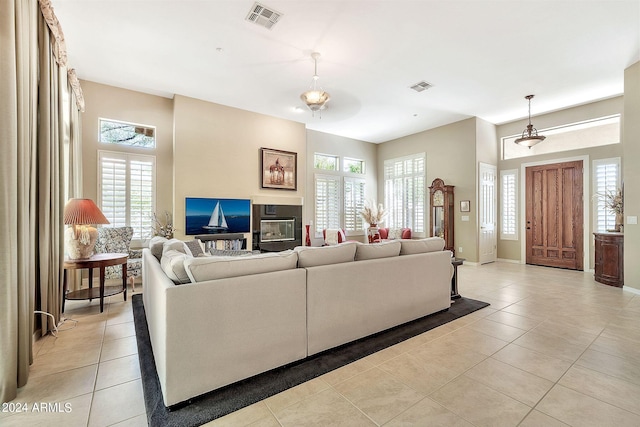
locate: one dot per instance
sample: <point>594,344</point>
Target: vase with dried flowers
<point>163,228</point>
<point>614,202</point>
<point>373,214</point>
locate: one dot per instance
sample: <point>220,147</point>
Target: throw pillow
<point>173,244</point>
<point>156,244</point>
<point>395,233</point>
<point>193,248</point>
<point>172,264</point>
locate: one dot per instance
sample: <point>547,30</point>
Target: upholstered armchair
<point>118,240</point>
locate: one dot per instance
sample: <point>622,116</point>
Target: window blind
<point>354,195</point>
<point>126,193</point>
<point>327,202</point>
<point>404,192</point>
<point>606,178</point>
<point>509,207</point>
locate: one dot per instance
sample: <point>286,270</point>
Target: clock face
<point>438,198</point>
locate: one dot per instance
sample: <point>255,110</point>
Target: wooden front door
<point>554,223</point>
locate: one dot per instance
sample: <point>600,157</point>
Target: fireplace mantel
<point>276,200</point>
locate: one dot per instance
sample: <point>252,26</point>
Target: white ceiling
<point>482,57</point>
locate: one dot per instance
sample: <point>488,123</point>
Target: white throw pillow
<point>173,245</point>
<point>394,233</point>
<point>377,250</point>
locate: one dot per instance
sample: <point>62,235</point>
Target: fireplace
<point>276,227</point>
<point>277,230</point>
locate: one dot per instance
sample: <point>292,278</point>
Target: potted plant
<point>614,202</point>
<point>373,214</point>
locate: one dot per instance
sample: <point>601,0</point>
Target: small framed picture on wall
<point>465,206</point>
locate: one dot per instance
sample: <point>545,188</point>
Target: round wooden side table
<point>96,261</point>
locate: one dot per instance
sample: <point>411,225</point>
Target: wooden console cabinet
<point>609,267</point>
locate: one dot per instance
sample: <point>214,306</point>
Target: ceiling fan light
<point>316,99</point>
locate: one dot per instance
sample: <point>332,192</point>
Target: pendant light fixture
<point>530,135</point>
<point>315,98</point>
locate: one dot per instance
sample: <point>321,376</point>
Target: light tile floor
<point>554,348</point>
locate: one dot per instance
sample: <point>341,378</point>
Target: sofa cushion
<point>193,248</point>
<point>219,267</point>
<point>309,256</point>
<point>377,250</point>
<point>156,244</point>
<point>172,264</point>
<point>418,246</point>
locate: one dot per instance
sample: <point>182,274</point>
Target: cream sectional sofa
<point>235,317</point>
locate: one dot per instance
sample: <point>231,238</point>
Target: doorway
<point>554,215</point>
<point>488,240</point>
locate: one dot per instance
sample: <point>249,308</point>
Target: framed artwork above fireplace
<point>278,169</point>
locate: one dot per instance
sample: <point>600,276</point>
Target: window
<point>327,202</point>
<point>606,180</point>
<point>353,204</point>
<point>126,190</point>
<point>589,133</point>
<point>115,132</point>
<point>353,165</point>
<point>404,192</point>
<point>325,162</point>
<point>509,205</point>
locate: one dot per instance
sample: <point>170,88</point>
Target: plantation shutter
<point>354,191</point>
<point>404,192</point>
<point>113,194</point>
<point>141,198</point>
<point>126,191</point>
<point>606,181</point>
<point>327,202</point>
<point>509,230</point>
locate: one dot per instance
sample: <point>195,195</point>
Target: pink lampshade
<point>83,211</point>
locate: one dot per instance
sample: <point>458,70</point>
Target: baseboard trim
<point>510,261</point>
<point>631,290</point>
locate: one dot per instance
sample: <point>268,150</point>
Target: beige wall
<point>451,156</point>
<point>511,249</point>
<point>110,102</point>
<point>216,154</point>
<point>631,138</point>
<point>324,143</point>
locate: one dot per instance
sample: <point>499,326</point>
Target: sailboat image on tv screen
<point>217,220</point>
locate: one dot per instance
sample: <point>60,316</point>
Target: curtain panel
<point>40,140</point>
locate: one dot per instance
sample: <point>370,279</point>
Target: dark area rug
<point>228,399</point>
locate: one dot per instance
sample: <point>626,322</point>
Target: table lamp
<point>80,238</point>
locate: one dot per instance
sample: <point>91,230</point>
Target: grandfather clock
<point>441,203</point>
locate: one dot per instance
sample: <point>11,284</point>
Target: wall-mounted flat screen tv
<point>211,216</point>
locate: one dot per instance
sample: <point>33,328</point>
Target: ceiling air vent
<point>263,16</point>
<point>420,86</point>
